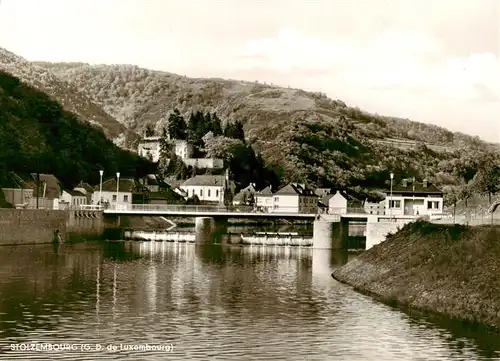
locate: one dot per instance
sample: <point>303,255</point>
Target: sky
<point>434,61</point>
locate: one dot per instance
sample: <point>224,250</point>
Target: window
<point>125,198</point>
<point>201,192</point>
<point>276,199</point>
<point>114,197</point>
<point>432,204</point>
<point>394,204</point>
<point>208,193</point>
<point>192,192</point>
<point>216,192</point>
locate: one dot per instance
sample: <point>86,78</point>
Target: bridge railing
<point>205,208</point>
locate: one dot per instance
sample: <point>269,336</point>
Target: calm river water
<point>205,303</point>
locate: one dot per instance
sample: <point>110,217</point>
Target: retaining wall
<point>28,226</point>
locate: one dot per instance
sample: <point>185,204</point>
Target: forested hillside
<point>67,95</point>
<point>37,135</point>
<point>304,136</point>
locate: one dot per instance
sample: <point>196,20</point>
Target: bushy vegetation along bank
<point>450,270</point>
<point>37,135</point>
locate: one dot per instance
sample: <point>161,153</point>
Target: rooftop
<point>126,185</point>
<point>295,189</point>
<point>265,192</point>
<point>205,180</point>
<point>408,186</point>
<point>49,186</point>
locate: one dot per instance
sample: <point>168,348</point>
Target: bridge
<point>166,210</point>
<point>330,230</point>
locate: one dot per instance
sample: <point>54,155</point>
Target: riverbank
<point>439,269</point>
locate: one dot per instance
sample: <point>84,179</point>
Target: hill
<point>37,135</point>
<point>307,136</point>
<point>450,270</point>
<point>66,94</point>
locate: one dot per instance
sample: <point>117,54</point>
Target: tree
<point>235,131</point>
<point>487,180</point>
<point>166,150</point>
<point>452,197</point>
<point>176,126</point>
<point>216,126</point>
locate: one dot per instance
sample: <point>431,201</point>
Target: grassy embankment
<point>437,269</point>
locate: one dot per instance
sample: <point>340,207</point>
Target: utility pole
<point>37,188</point>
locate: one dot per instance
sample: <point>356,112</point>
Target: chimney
<point>424,183</point>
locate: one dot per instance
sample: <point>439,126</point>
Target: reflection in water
<point>223,302</point>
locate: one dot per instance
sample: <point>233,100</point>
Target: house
<point>86,189</point>
<point>48,192</point>
<point>246,196</point>
<point>16,191</point>
<point>264,200</point>
<point>414,198</point>
<point>121,197</point>
<point>72,199</point>
<point>339,202</point>
<point>374,207</point>
<point>210,188</point>
<point>150,147</point>
<point>295,198</point>
<point>152,183</point>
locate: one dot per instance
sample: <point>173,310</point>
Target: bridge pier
<point>209,229</point>
<point>329,234</point>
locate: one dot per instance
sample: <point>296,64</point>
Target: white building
<point>414,198</point>
<point>183,149</point>
<point>337,203</point>
<point>72,199</point>
<point>264,200</point>
<point>209,188</point>
<point>150,146</point>
<point>110,196</point>
<point>295,198</point>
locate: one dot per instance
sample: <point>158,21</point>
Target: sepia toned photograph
<point>250,180</point>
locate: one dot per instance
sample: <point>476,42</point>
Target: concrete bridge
<point>330,230</point>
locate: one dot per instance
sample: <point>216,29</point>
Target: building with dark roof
<point>121,196</point>
<point>210,188</point>
<point>264,199</point>
<point>245,195</point>
<point>411,197</point>
<point>295,198</point>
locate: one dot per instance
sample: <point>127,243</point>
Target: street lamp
<point>390,199</point>
<point>117,185</point>
<point>101,172</point>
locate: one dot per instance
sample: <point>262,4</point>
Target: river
<point>92,300</point>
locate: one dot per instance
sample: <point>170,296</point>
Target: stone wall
<point>84,225</point>
<point>28,226</point>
